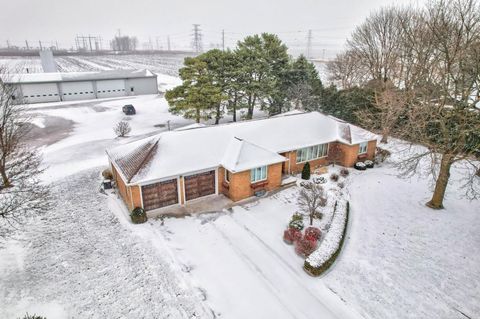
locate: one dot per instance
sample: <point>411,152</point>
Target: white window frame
<point>312,153</point>
<point>362,148</point>
<point>254,172</point>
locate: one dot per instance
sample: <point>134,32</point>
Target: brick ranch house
<point>235,159</point>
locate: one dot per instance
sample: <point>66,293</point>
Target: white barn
<point>55,87</point>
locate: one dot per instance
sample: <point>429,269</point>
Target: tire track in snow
<point>258,271</point>
<point>294,273</point>
<point>273,284</point>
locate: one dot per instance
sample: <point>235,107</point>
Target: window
<point>362,148</point>
<point>227,176</point>
<point>131,89</point>
<point>258,174</point>
<point>312,152</point>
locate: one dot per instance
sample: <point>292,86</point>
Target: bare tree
<point>376,44</point>
<point>122,129</point>
<point>441,115</point>
<point>385,112</point>
<point>346,71</point>
<point>21,193</point>
<point>335,153</point>
<point>311,198</point>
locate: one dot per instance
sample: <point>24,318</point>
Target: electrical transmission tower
<point>197,39</point>
<point>309,44</point>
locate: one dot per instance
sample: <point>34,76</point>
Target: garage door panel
<point>40,92</point>
<point>160,194</point>
<point>199,185</point>
<point>110,88</point>
<point>77,90</point>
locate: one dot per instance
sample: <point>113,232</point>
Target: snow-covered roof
<point>75,76</point>
<point>240,146</point>
<point>241,155</point>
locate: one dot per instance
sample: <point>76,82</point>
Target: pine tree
<point>199,95</point>
<point>306,171</point>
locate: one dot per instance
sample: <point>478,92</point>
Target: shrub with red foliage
<point>291,235</point>
<point>312,233</point>
<point>305,247</point>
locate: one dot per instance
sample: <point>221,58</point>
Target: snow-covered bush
<point>138,215</point>
<point>312,233</point>
<point>122,129</point>
<point>321,259</point>
<point>344,172</point>
<point>341,185</point>
<point>319,180</point>
<point>334,177</point>
<point>304,247</point>
<point>368,163</point>
<point>34,316</point>
<point>107,174</point>
<point>291,235</point>
<point>360,166</point>
<point>296,224</point>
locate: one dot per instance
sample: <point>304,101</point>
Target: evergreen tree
<point>199,95</point>
<point>263,60</point>
<point>306,171</point>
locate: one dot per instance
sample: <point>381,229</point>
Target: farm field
<point>163,64</point>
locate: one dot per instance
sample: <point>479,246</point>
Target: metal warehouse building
<point>54,87</point>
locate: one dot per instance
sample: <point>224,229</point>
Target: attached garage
<point>110,88</point>
<point>160,194</point>
<point>199,185</point>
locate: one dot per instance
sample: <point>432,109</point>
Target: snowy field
<point>166,63</point>
<point>85,259</point>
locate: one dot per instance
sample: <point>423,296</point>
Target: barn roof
<point>75,76</point>
<point>236,146</point>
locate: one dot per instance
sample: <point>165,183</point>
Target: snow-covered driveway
<point>247,271</point>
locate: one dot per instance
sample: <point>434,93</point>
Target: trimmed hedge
<point>317,271</point>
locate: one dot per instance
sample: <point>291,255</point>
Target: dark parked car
<point>129,109</point>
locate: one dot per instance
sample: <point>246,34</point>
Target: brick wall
<point>296,168</point>
<point>130,194</point>
<point>240,186</point>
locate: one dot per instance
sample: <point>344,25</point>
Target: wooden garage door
<point>199,185</point>
<point>160,194</point>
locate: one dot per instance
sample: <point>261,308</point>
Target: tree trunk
<point>311,219</point>
<point>441,184</point>
<point>218,115</point>
<point>251,106</point>
<point>235,108</point>
<point>385,134</point>
<point>197,115</point>
<point>5,179</point>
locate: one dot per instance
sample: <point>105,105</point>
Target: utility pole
<point>40,45</point>
<point>197,39</point>
<point>309,44</point>
<point>8,44</point>
<point>223,40</point>
<point>26,43</point>
<point>168,43</point>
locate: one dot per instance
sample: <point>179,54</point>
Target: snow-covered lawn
<point>85,259</point>
<point>80,261</point>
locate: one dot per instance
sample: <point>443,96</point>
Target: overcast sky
<point>153,20</point>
